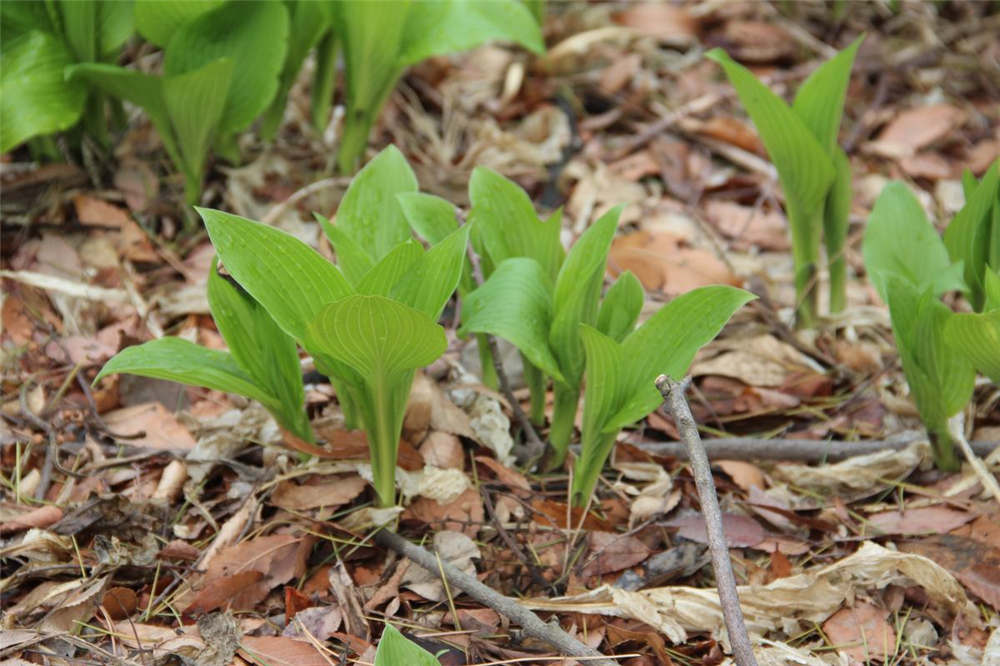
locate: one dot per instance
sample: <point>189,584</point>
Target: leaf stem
<point>566,400</point>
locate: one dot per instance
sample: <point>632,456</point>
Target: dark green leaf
<point>621,307</point>
<point>968,235</point>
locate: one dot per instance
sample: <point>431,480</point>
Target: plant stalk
<point>354,139</point>
<point>489,372</point>
<point>804,227</point>
<point>588,466</point>
<point>535,380</point>
<point>565,402</point>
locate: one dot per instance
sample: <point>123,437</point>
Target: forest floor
<point>143,522</point>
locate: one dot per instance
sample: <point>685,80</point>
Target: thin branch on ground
<point>534,447</point>
<point>800,450</point>
<point>956,425</point>
<point>531,624</point>
<point>673,396</point>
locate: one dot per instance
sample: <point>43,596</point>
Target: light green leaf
<point>507,224</point>
<point>264,351</point>
<point>370,212</point>
<point>836,220</point>
<point>35,97</point>
<point>515,303</point>
<point>157,20</point>
<point>667,343</point>
<point>254,35</point>
<point>976,335</point>
<point>803,164</point>
<point>899,240</point>
<point>290,279</point>
<point>353,260</point>
<point>432,280</point>
<point>323,80</point>
<point>968,235</point>
<point>381,279</point>
<point>178,360</point>
<point>820,100</point>
<point>991,288</point>
<point>431,217</point>
<point>394,649</point>
<point>621,307</point>
<point>438,28</point>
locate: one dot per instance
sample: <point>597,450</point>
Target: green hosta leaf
<point>836,220</point>
<point>96,30</point>
<point>667,343</point>
<point>381,279</point>
<point>577,293</point>
<point>254,35</point>
<point>354,261</point>
<point>370,212</point>
<point>507,224</point>
<point>323,80</point>
<point>431,217</point>
<point>262,349</point>
<point>515,303</point>
<point>35,97</point>
<point>968,236</point>
<point>438,28</point>
<point>18,17</point>
<point>820,100</point>
<point>899,240</point>
<point>290,279</point>
<point>178,360</point>
<point>976,335</point>
<point>803,164</point>
<point>394,649</point>
<point>432,280</point>
<point>621,307</point>
<point>157,20</point>
<point>991,288</point>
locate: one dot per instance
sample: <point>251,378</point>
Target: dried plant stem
<point>531,624</point>
<point>956,425</point>
<point>673,395</point>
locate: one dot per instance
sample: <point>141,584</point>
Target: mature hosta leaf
<point>432,280</point>
<point>178,360</point>
<point>803,164</point>
<point>577,293</point>
<point>976,335</point>
<point>667,342</point>
<point>381,279</point>
<point>261,348</point>
<point>820,100</point>
<point>157,20</point>
<point>370,212</point>
<point>508,225</point>
<point>290,279</point>
<point>254,35</point>
<point>899,240</point>
<point>437,28</point>
<point>621,307</point>
<point>431,217</point>
<point>35,97</point>
<point>18,17</point>
<point>515,303</point>
<point>394,649</point>
<point>968,236</point>
<point>95,30</point>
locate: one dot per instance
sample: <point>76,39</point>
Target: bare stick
<point>956,426</point>
<point>801,450</point>
<point>725,581</point>
<point>531,624</point>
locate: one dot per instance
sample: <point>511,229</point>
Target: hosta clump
<point>368,332</point>
<point>814,172</point>
<point>911,267</point>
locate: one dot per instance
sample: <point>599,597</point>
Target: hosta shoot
<point>395,649</point>
<point>815,175</point>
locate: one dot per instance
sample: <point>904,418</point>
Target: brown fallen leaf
<point>444,450</point>
<point>974,564</point>
<point>668,23</point>
<point>240,591</point>
<point>741,531</point>
<point>916,128</point>
<point>463,514</point>
<point>663,261</point>
<point>43,516</point>
<point>610,552</point>
<point>281,651</point>
<point>734,131</point>
<point>119,602</point>
<point>985,529</point>
<point>320,622</point>
<point>757,41</point>
<point>930,165</point>
<point>923,520</point>
<point>745,475</point>
<point>861,632</point>
<point>160,429</point>
<point>130,240</point>
<point>550,512</point>
<point>749,226</point>
<point>317,492</point>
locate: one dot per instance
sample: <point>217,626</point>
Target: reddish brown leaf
<point>925,520</point>
<point>550,512</point>
<point>974,564</point>
<point>861,632</point>
<point>160,429</point>
<point>612,552</point>
<point>664,261</point>
<point>463,514</point>
<point>294,602</point>
<point>119,602</point>
<point>239,591</point>
<point>740,531</point>
<point>43,516</point>
<point>281,651</point>
<point>318,492</point>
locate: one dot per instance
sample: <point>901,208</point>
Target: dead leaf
<point>930,165</point>
<point>239,591</point>
<point>757,41</point>
<point>670,24</point>
<point>618,74</point>
<point>916,128</point>
<point>663,261</point>
<point>281,651</point>
<point>158,427</point>
<point>985,529</point>
<point>119,602</point>
<point>749,226</point>
<point>612,552</point>
<point>861,632</point>
<point>465,513</point>
<point>745,475</point>
<point>452,547</point>
<point>317,492</point>
<point>923,520</point>
<point>759,361</point>
<point>320,622</point>
<point>444,450</point>
<point>741,531</point>
<point>974,564</point>
<point>43,516</point>
<point>551,512</point>
<point>131,241</point>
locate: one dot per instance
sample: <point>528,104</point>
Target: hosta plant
<point>815,174</point>
<point>620,373</point>
<point>395,649</point>
<point>910,267</point>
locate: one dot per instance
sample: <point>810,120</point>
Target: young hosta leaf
<point>515,303</point>
<point>836,219</point>
<point>899,240</point>
<point>178,360</point>
<point>323,80</point>
<point>991,288</point>
<point>803,164</point>
<point>820,100</point>
<point>395,649</point>
<point>157,20</point>
<point>261,348</point>
<point>354,261</point>
<point>508,225</point>
<point>381,279</point>
<point>290,279</point>
<point>667,343</point>
<point>431,217</point>
<point>432,280</point>
<point>254,35</point>
<point>35,97</point>
<point>96,30</point>
<point>438,28</point>
<point>976,335</point>
<point>621,307</point>
<point>370,212</point>
<point>968,236</point>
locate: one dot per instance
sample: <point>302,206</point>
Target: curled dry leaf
<point>130,240</point>
<point>41,517</point>
<point>741,531</point>
<point>974,564</point>
<point>119,602</point>
<point>317,492</point>
<point>861,632</point>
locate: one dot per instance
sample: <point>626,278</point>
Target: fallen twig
<point>956,425</point>
<point>531,624</point>
<point>725,581</point>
